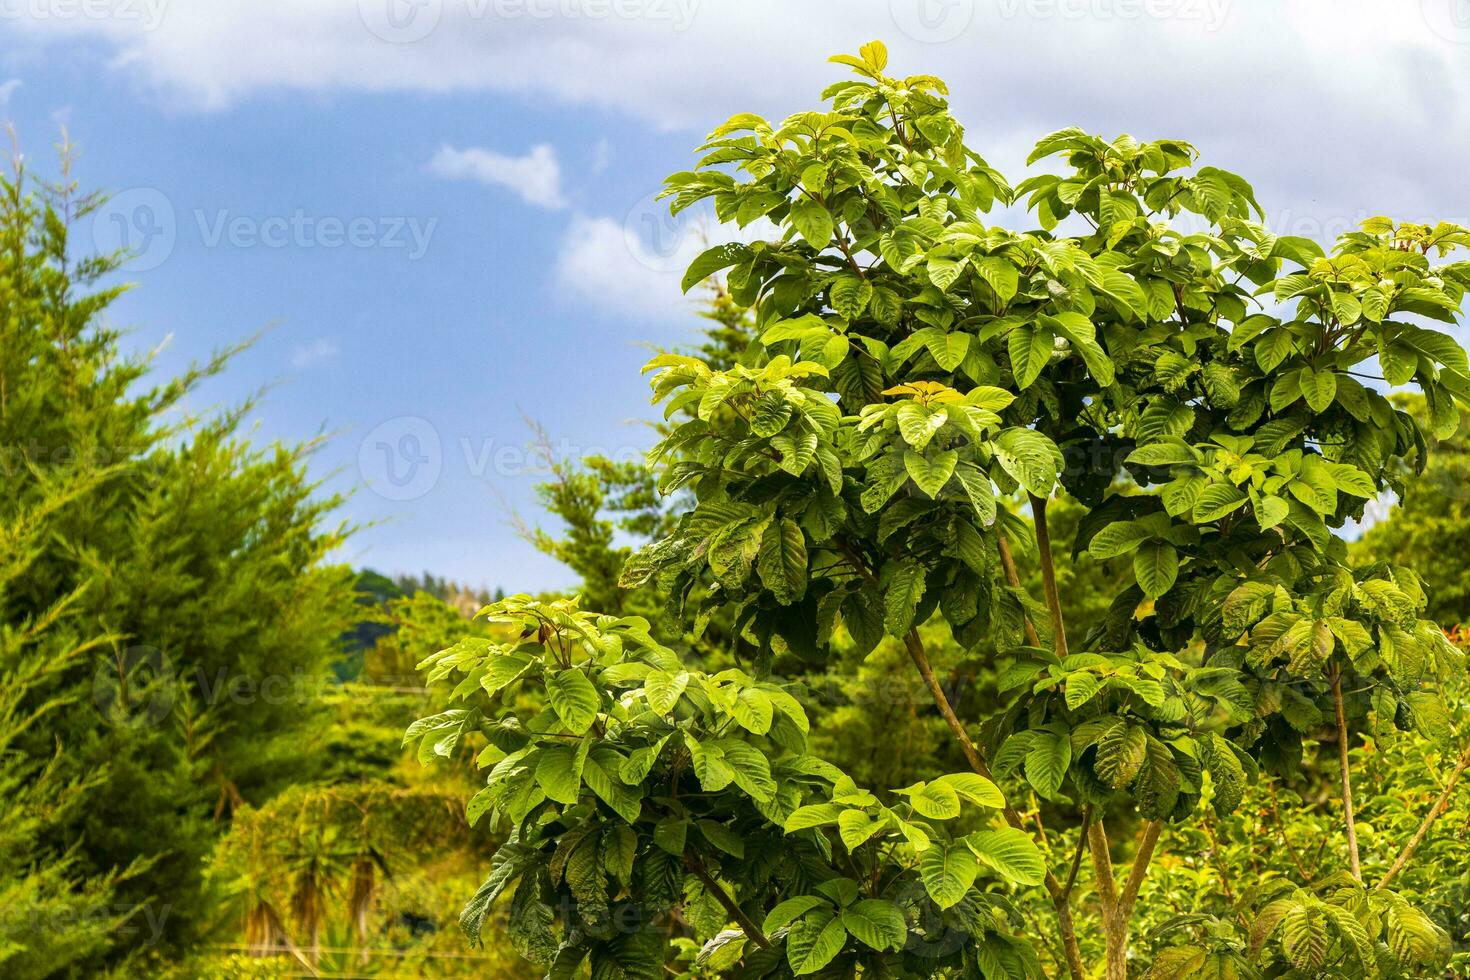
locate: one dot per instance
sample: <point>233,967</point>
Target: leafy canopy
<point>1151,351</point>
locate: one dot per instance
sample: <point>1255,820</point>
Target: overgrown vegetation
<point>1181,379</point>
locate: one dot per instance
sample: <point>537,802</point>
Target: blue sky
<point>444,216</point>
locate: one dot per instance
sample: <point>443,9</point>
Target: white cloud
<point>7,89</point>
<point>633,268</point>
<point>1331,106</point>
<point>601,155</point>
<point>535,177</point>
<point>305,356</point>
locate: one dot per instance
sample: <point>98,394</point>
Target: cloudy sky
<point>442,209</point>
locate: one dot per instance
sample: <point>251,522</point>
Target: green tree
<point>919,367</point>
<point>167,600</point>
<point>1432,519</point>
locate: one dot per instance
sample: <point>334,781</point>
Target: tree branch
<point>1102,867</point>
<point>1347,780</point>
<point>1440,806</point>
<point>915,647</point>
<point>728,904</point>
<point>1008,565</point>
<point>1049,574</point>
<point>1141,859</point>
<point>1077,855</point>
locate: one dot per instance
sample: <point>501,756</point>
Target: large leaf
<point>931,470</point>
<point>876,923</point>
<point>1047,762</point>
<point>1120,754</point>
<point>1031,458</point>
<point>1156,566</point>
<point>1010,853</point>
<point>574,699</point>
<point>814,941</point>
<point>1030,350</point>
<point>782,561</point>
<point>812,221</point>
<point>948,871</point>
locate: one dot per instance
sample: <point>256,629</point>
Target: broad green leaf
<point>975,788</point>
<point>749,769</point>
<point>850,295</point>
<point>782,562</point>
<point>1031,458</point>
<point>937,801</point>
<point>1156,566</point>
<point>857,828</point>
<point>558,774</point>
<point>1010,853</point>
<point>789,911</point>
<point>1047,762</point>
<point>1120,754</point>
<point>930,470</point>
<point>712,260</point>
<point>1217,500</point>
<point>1000,274</point>
<point>574,699</point>
<point>664,690</point>
<point>902,598</point>
<point>814,941</point>
<point>1118,539</point>
<point>813,815</point>
<point>876,924</point>
<point>1029,349</point>
<point>948,871</point>
<point>812,221</point>
<point>1319,388</point>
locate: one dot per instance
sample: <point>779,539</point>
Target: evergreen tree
<point>167,608</point>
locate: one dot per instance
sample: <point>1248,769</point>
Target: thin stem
<point>1049,574</point>
<point>1347,780</point>
<point>1008,565</point>
<point>1077,855</point>
<point>728,904</point>
<point>915,647</point>
<point>1440,806</point>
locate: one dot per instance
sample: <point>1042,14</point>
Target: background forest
<point>202,713</point>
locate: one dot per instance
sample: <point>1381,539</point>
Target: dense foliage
<point>166,614</point>
<point>987,608</point>
<point>1183,375</point>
